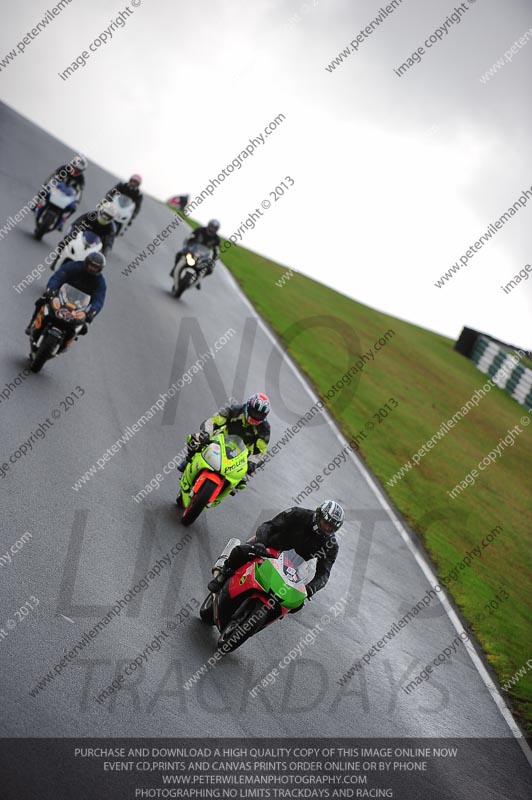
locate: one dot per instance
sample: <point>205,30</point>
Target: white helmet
<point>328,517</point>
<point>106,212</point>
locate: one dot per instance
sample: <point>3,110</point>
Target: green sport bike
<point>258,593</point>
<point>216,470</point>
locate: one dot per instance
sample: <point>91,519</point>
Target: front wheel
<point>184,283</point>
<point>206,611</point>
<point>246,623</point>
<point>198,503</point>
<point>38,233</point>
<point>42,355</point>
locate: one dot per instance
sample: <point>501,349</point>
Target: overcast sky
<point>395,177</point>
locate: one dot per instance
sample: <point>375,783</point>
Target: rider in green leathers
<point>247,420</point>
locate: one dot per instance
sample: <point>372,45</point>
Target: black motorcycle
<point>60,319</point>
<point>197,264</point>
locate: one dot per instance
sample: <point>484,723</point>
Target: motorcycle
<point>214,472</point>
<point>196,266</point>
<point>260,592</point>
<point>57,324</point>
<point>78,248</point>
<point>49,212</point>
<point>124,213</point>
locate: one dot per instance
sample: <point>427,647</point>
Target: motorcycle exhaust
<point>220,561</point>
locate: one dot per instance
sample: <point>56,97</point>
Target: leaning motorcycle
<point>215,471</point>
<point>262,591</point>
<point>197,264</point>
<point>78,248</point>
<point>49,212</point>
<point>58,321</point>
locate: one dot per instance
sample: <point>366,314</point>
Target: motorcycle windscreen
<point>234,445</point>
<point>91,239</point>
<point>236,457</point>
<point>124,202</point>
<point>69,295</point>
<point>62,195</point>
<point>286,577</point>
<point>200,252</point>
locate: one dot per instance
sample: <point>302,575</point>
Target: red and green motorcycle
<point>215,471</point>
<point>260,592</point>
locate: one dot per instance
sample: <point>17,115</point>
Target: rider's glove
<point>90,315</point>
<point>251,467</point>
<point>259,550</point>
<point>310,591</point>
<point>198,439</point>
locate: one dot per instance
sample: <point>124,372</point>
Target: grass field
<point>430,382</point>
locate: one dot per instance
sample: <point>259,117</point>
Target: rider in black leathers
<point>310,533</point>
<point>207,236</point>
<point>72,175</point>
<point>99,222</point>
<point>130,189</point>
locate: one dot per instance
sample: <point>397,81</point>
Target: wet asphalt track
<point>87,546</point>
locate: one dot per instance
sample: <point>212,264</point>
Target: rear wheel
<point>206,611</point>
<point>198,503</point>
<point>246,623</point>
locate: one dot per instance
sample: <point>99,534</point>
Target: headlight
<point>191,261</point>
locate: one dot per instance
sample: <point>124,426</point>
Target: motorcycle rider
<point>99,222</point>
<point>131,189</point>
<point>247,420</point>
<point>311,533</point>
<point>207,236</point>
<point>83,275</point>
<point>72,175</point>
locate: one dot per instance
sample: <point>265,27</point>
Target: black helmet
<point>213,226</point>
<point>95,262</point>
<point>328,518</point>
<point>257,408</point>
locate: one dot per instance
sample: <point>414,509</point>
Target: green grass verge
<point>430,381</point>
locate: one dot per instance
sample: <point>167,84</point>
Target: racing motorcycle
<point>260,592</point>
<point>49,212</point>
<point>216,470</point>
<point>124,213</point>
<point>197,265</point>
<point>58,321</point>
<point>78,248</point>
